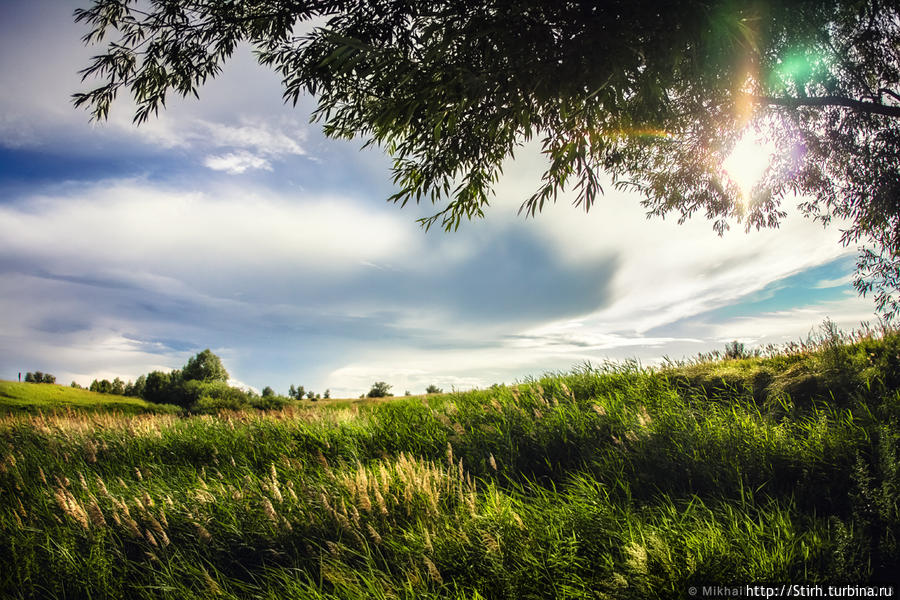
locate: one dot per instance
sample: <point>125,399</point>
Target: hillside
<point>603,482</point>
<point>18,397</point>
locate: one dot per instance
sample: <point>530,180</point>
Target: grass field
<point>611,482</point>
<point>48,397</point>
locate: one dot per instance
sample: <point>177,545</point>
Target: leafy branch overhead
<point>649,96</point>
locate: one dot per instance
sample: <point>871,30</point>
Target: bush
<point>379,389</point>
<point>433,389</point>
<point>156,388</point>
<point>136,388</point>
<point>736,350</point>
<point>101,387</point>
<point>39,377</point>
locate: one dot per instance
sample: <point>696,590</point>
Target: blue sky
<point>233,223</point>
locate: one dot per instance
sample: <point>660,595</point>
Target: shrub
<point>101,387</point>
<point>156,388</point>
<point>736,350</point>
<point>433,389</point>
<point>39,377</point>
<point>380,389</point>
<point>136,388</point>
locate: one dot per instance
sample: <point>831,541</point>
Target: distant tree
<point>327,394</point>
<point>380,389</point>
<point>297,392</point>
<point>48,378</point>
<point>75,385</point>
<point>136,389</point>
<point>267,392</point>
<point>104,386</point>
<point>311,395</point>
<point>117,387</point>
<point>736,349</point>
<point>407,393</point>
<point>157,388</point>
<point>433,389</point>
<point>205,366</point>
<point>29,377</point>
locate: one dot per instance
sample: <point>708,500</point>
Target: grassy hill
<point>604,482</point>
<point>48,397</point>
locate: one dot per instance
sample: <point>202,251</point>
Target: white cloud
<point>133,227</point>
<point>794,324</point>
<point>667,271</point>
<point>235,163</point>
<point>825,284</point>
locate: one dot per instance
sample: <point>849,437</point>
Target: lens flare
<point>747,163</point>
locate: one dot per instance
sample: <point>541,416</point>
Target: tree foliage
<point>380,389</point>
<point>649,95</point>
<point>39,377</point>
<point>205,366</point>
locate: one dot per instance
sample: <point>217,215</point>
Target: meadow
<point>610,481</point>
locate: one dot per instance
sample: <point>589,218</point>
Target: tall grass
<point>610,481</point>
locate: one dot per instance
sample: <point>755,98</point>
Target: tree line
<point>202,384</point>
<point>39,377</point>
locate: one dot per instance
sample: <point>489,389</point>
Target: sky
<point>232,223</point>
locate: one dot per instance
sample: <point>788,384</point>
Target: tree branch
<point>872,108</point>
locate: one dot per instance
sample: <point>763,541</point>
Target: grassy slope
<point>33,397</point>
<point>616,483</point>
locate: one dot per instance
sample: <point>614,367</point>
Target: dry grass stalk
<point>202,533</point>
<point>269,510</point>
<point>373,533</point>
<point>71,507</point>
<point>433,572</point>
<point>95,513</point>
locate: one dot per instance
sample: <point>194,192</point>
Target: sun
<point>748,161</point>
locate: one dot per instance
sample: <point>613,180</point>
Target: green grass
<point>43,397</point>
<point>611,482</point>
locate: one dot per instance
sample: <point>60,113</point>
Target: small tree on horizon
<point>433,389</point>
<point>380,389</point>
